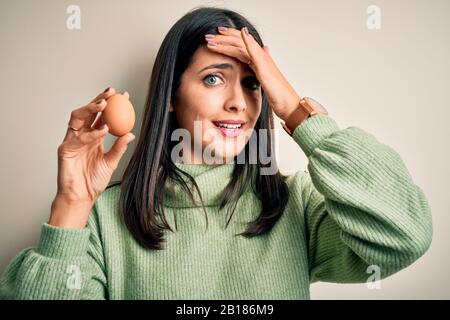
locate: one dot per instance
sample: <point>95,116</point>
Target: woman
<point>264,236</point>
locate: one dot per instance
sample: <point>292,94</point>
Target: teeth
<point>229,126</point>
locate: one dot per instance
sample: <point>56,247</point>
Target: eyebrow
<point>222,66</point>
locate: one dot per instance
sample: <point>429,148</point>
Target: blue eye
<point>210,76</point>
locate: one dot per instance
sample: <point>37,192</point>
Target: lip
<point>229,121</point>
<point>229,133</point>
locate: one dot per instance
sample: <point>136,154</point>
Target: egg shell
<point>118,115</point>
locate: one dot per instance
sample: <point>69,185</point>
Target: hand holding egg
<point>84,168</point>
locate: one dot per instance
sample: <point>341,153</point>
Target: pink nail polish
<point>246,31</point>
<point>212,43</point>
<point>223,29</point>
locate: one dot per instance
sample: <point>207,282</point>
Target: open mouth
<point>228,129</point>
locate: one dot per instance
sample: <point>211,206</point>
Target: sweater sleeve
<point>66,264</point>
<point>361,207</point>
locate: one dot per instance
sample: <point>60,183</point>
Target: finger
<point>99,122</point>
<point>253,47</point>
<point>235,52</point>
<point>88,137</point>
<point>226,40</point>
<point>93,135</point>
<point>126,94</point>
<point>84,116</point>
<point>110,91</point>
<point>229,31</point>
<point>90,120</point>
<point>113,156</point>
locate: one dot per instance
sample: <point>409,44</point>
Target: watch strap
<point>300,114</point>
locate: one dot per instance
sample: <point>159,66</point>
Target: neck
<point>211,180</point>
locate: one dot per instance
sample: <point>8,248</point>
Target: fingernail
<point>246,31</point>
<point>212,43</point>
<point>209,35</point>
<point>107,89</point>
<point>99,101</point>
<point>223,29</point>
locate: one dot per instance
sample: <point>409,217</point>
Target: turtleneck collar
<point>211,180</point>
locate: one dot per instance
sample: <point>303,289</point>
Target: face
<point>218,105</point>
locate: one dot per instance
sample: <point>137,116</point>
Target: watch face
<point>316,105</point>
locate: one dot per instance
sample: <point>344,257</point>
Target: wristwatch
<point>307,107</point>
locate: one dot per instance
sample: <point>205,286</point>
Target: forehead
<point>203,57</point>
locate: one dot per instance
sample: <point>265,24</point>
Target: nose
<point>236,101</point>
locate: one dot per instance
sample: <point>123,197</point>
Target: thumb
<point>113,156</point>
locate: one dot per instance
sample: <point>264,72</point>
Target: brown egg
<point>118,115</point>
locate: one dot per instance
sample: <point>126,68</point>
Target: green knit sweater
<point>357,207</point>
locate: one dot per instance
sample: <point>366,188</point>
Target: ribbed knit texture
<point>357,207</point>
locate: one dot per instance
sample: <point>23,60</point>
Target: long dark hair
<point>142,186</point>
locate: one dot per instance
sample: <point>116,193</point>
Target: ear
<point>171,109</point>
